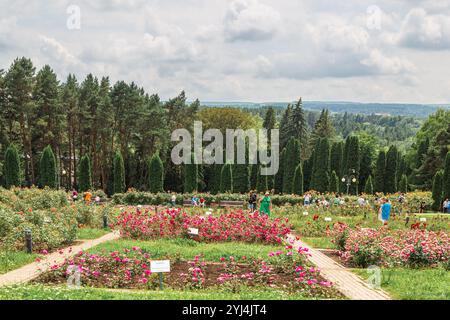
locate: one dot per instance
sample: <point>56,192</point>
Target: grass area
<point>90,234</point>
<point>319,242</point>
<point>413,284</point>
<point>188,249</point>
<point>40,292</point>
<point>12,260</point>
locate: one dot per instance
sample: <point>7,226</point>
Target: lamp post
<point>349,179</point>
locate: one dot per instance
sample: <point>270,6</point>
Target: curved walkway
<point>33,270</point>
<point>344,280</point>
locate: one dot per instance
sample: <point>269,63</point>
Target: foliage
<point>85,174</point>
<point>156,174</point>
<point>47,172</point>
<point>12,167</point>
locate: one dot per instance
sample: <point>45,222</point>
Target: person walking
<point>385,210</point>
<point>252,199</point>
<point>446,206</point>
<point>265,204</point>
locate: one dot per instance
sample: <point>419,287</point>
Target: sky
<point>242,50</point>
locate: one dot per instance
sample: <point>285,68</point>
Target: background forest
<point>102,126</point>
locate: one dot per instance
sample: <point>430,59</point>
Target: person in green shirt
<point>265,204</point>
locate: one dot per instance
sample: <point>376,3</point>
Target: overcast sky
<point>242,50</point>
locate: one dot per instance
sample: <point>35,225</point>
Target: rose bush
<point>175,223</point>
<point>413,248</point>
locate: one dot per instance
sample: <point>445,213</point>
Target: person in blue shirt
<point>385,210</point>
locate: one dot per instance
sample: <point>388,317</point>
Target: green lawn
<point>412,284</point>
<point>12,260</point>
<point>318,242</point>
<point>90,234</point>
<point>188,249</point>
<point>40,292</point>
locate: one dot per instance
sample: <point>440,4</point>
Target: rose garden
<point>217,252</point>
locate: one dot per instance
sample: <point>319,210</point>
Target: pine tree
<point>298,180</point>
<point>323,128</point>
<point>321,167</point>
<point>285,127</point>
<point>269,122</point>
<point>226,180</point>
<point>119,173</point>
<point>85,174</point>
<point>290,164</point>
<point>191,177</point>
<point>446,178</point>
<point>390,177</point>
<point>298,125</point>
<point>334,183</point>
<point>422,151</point>
<point>241,178</point>
<point>380,172</point>
<point>403,185</point>
<point>437,190</point>
<point>11,167</point>
<point>368,188</point>
<point>155,174</point>
<point>47,169</point>
<point>337,157</point>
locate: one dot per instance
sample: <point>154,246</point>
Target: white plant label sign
<point>193,231</point>
<point>159,266</point>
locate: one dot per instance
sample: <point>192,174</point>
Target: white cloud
<point>421,30</point>
<point>250,20</point>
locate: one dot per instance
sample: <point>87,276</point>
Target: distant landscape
<point>394,109</point>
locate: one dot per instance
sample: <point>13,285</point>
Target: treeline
<point>97,135</point>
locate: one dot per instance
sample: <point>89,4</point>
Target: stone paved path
<point>33,270</point>
<point>344,280</point>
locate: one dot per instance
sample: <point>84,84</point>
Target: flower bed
<point>411,248</point>
<point>284,269</point>
<point>175,223</point>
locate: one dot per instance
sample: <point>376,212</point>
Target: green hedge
<point>146,198</point>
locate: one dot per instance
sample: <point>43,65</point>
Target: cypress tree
<point>368,188</point>
<point>47,169</point>
<point>437,190</point>
<point>298,180</point>
<point>352,161</point>
<point>321,168</point>
<point>366,166</point>
<point>390,177</point>
<point>337,157</point>
<point>155,174</point>
<point>403,185</point>
<point>262,184</point>
<point>278,183</point>
<point>191,177</point>
<point>307,173</point>
<point>241,178</point>
<point>285,127</point>
<point>119,173</point>
<point>11,167</point>
<point>380,172</point>
<point>253,176</point>
<point>214,181</point>
<point>422,151</point>
<point>85,174</point>
<point>226,180</point>
<point>334,183</point>
<point>290,164</point>
<point>446,178</point>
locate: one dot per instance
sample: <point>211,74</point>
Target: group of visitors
<point>87,197</point>
<point>265,203</point>
<point>198,202</point>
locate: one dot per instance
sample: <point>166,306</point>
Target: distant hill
<point>394,109</point>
